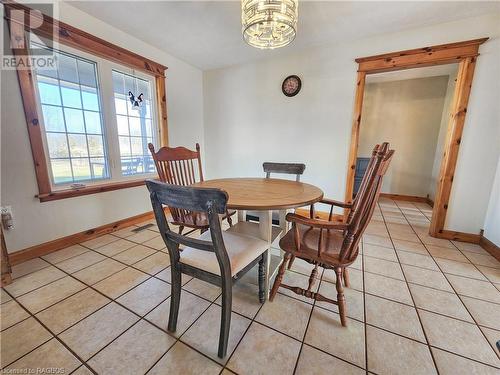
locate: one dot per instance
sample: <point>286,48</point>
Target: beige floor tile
<point>383,267</point>
<point>116,247</point>
<point>358,263</point>
<point>21,339</point>
<point>458,337</point>
<point>315,362</point>
<point>191,307</point>
<point>146,296</point>
<point>451,364</point>
<point>203,335</point>
<point>355,278</point>
<point>441,302</point>
<point>120,282</point>
<point>134,254</point>
<point>354,300</point>
<point>408,235</point>
<point>471,247</point>
<point>66,313</point>
<point>4,296</point>
<point>125,232</point>
<point>460,269</point>
<point>51,355</point>
<point>296,279</point>
<point>412,247</point>
<point>98,242</point>
<point>485,313</point>
<point>34,280</point>
<point>492,274</point>
<point>326,333</point>
<point>303,267</point>
<point>276,353</point>
<point>475,288</point>
<point>203,289</point>
<point>66,253</point>
<point>394,317</point>
<point>153,263</point>
<point>181,359</point>
<point>388,288</point>
<point>393,354</point>
<point>377,240</point>
<point>245,299</point>
<point>426,277</point>
<point>492,336</point>
<point>417,260</point>
<point>11,313</point>
<point>447,253</point>
<point>97,330</point>
<point>143,236</point>
<point>166,276</point>
<point>134,352</point>
<point>81,261</point>
<point>49,294</point>
<point>156,243</point>
<point>483,260</point>
<point>428,240</point>
<point>379,252</point>
<point>287,315</point>
<point>82,370</point>
<point>27,267</point>
<point>99,271</point>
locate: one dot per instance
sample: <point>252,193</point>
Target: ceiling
<point>207,34</point>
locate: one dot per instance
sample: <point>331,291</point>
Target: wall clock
<point>291,85</point>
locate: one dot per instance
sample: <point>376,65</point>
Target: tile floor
<point>417,305</point>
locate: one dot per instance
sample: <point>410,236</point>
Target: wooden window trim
<point>465,54</point>
<point>71,36</point>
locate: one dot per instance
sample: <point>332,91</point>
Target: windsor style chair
<point>334,245</point>
<point>220,258</point>
<point>181,166</point>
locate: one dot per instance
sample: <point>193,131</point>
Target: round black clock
<point>291,85</point>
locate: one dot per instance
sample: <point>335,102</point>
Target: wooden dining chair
<point>220,258</point>
<point>181,166</point>
<point>334,245</point>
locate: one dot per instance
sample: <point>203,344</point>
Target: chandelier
<point>269,24</point>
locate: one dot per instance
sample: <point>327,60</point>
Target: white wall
<point>492,222</point>
<point>37,222</point>
<point>438,154</point>
<point>406,113</point>
<point>248,120</point>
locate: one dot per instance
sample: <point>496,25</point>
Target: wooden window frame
<point>465,54</point>
<point>73,37</point>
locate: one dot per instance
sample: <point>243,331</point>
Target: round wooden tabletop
<point>265,193</point>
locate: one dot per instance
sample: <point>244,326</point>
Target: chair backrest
<point>366,201</point>
<point>210,201</point>
<point>284,168</point>
<point>177,166</point>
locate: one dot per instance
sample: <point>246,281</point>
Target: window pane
<point>93,122</point>
<point>135,126</point>
<point>137,148</point>
<point>118,84</point>
<point>122,122</point>
<point>78,145</point>
<point>53,118</point>
<point>149,130</point>
<point>120,105</point>
<point>61,170</point>
<point>58,145</point>
<point>124,146</point>
<point>74,120</point>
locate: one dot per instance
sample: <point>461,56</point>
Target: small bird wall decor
<point>135,101</point>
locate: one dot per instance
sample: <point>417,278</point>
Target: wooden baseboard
<point>429,201</point>
<point>401,197</point>
<point>320,214</point>
<point>51,246</point>
<point>490,247</point>
<point>459,236</point>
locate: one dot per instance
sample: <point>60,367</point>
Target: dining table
<point>263,196</point>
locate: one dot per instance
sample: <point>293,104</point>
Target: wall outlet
<point>7,218</point>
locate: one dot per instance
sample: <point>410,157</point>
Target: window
<point>82,148</point>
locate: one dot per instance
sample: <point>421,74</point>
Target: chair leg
<point>181,228</point>
<point>279,276</point>
<point>262,277</point>
<point>225,321</point>
<point>345,275</point>
<point>290,263</point>
<point>229,221</point>
<point>175,299</point>
<point>340,296</point>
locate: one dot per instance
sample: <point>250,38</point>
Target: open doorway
<point>410,110</point>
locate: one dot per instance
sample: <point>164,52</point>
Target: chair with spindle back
<point>181,166</point>
<point>217,257</point>
<point>334,245</point>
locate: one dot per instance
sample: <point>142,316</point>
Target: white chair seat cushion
<point>241,250</point>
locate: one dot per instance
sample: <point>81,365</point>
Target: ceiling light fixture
<point>269,24</point>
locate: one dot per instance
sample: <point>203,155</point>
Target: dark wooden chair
<point>217,257</point>
<point>334,245</point>
<point>284,168</point>
<point>181,166</point>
